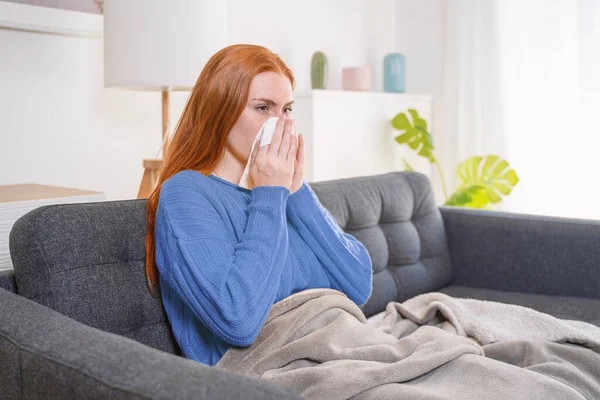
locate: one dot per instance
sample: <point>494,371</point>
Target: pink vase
<point>356,78</point>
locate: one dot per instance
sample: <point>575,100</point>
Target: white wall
<point>61,127</point>
<point>418,30</point>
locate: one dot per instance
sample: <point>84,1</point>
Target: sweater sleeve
<point>345,259</point>
<point>230,286</point>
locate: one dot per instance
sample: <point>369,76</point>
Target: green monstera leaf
<point>484,180</point>
<point>415,134</point>
<point>407,166</point>
<point>471,197</point>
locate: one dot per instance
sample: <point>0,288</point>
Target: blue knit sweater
<point>226,254</point>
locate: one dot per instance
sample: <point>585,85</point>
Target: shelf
<point>25,17</point>
<point>35,192</point>
<point>410,97</point>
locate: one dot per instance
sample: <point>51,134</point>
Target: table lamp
<point>160,45</point>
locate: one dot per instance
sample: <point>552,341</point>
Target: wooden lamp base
<point>152,168</point>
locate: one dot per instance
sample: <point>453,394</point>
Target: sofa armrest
<point>44,354</point>
<point>523,253</point>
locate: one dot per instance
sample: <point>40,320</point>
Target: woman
<point>222,254</point>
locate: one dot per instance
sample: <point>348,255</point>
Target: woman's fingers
<point>291,153</point>
<point>277,136</point>
<point>254,152</point>
<point>287,138</point>
<point>300,154</point>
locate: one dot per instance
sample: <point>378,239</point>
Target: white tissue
<point>265,133</point>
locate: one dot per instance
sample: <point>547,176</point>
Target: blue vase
<point>394,73</point>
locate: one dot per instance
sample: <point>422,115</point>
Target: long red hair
<point>216,102</point>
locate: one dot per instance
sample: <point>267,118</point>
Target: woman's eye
<point>263,108</point>
<point>288,110</point>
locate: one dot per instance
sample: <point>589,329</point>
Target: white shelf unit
<point>349,133</point>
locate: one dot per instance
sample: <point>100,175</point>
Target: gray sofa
<point>76,320</point>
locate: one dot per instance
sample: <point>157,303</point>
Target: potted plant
<point>485,180</point>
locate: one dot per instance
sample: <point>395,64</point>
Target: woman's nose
<point>281,114</point>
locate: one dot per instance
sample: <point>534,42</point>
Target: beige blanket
<point>486,321</point>
<point>433,346</point>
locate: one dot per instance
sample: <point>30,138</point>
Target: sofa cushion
<point>395,216</point>
<point>86,261</point>
<point>576,308</point>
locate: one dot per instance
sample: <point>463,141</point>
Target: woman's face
<point>270,96</point>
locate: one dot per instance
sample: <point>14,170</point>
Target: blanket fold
<point>487,321</point>
<point>319,343</point>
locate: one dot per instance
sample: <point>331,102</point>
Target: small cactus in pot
<point>318,70</point>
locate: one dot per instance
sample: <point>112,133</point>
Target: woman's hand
<point>299,163</point>
<point>273,165</point>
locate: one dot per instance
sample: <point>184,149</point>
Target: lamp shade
<point>160,44</point>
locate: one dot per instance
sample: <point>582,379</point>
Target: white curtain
<point>468,114</point>
<point>550,73</point>
<point>521,80</point>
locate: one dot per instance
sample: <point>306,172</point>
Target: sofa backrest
<point>395,216</point>
<point>87,260</point>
